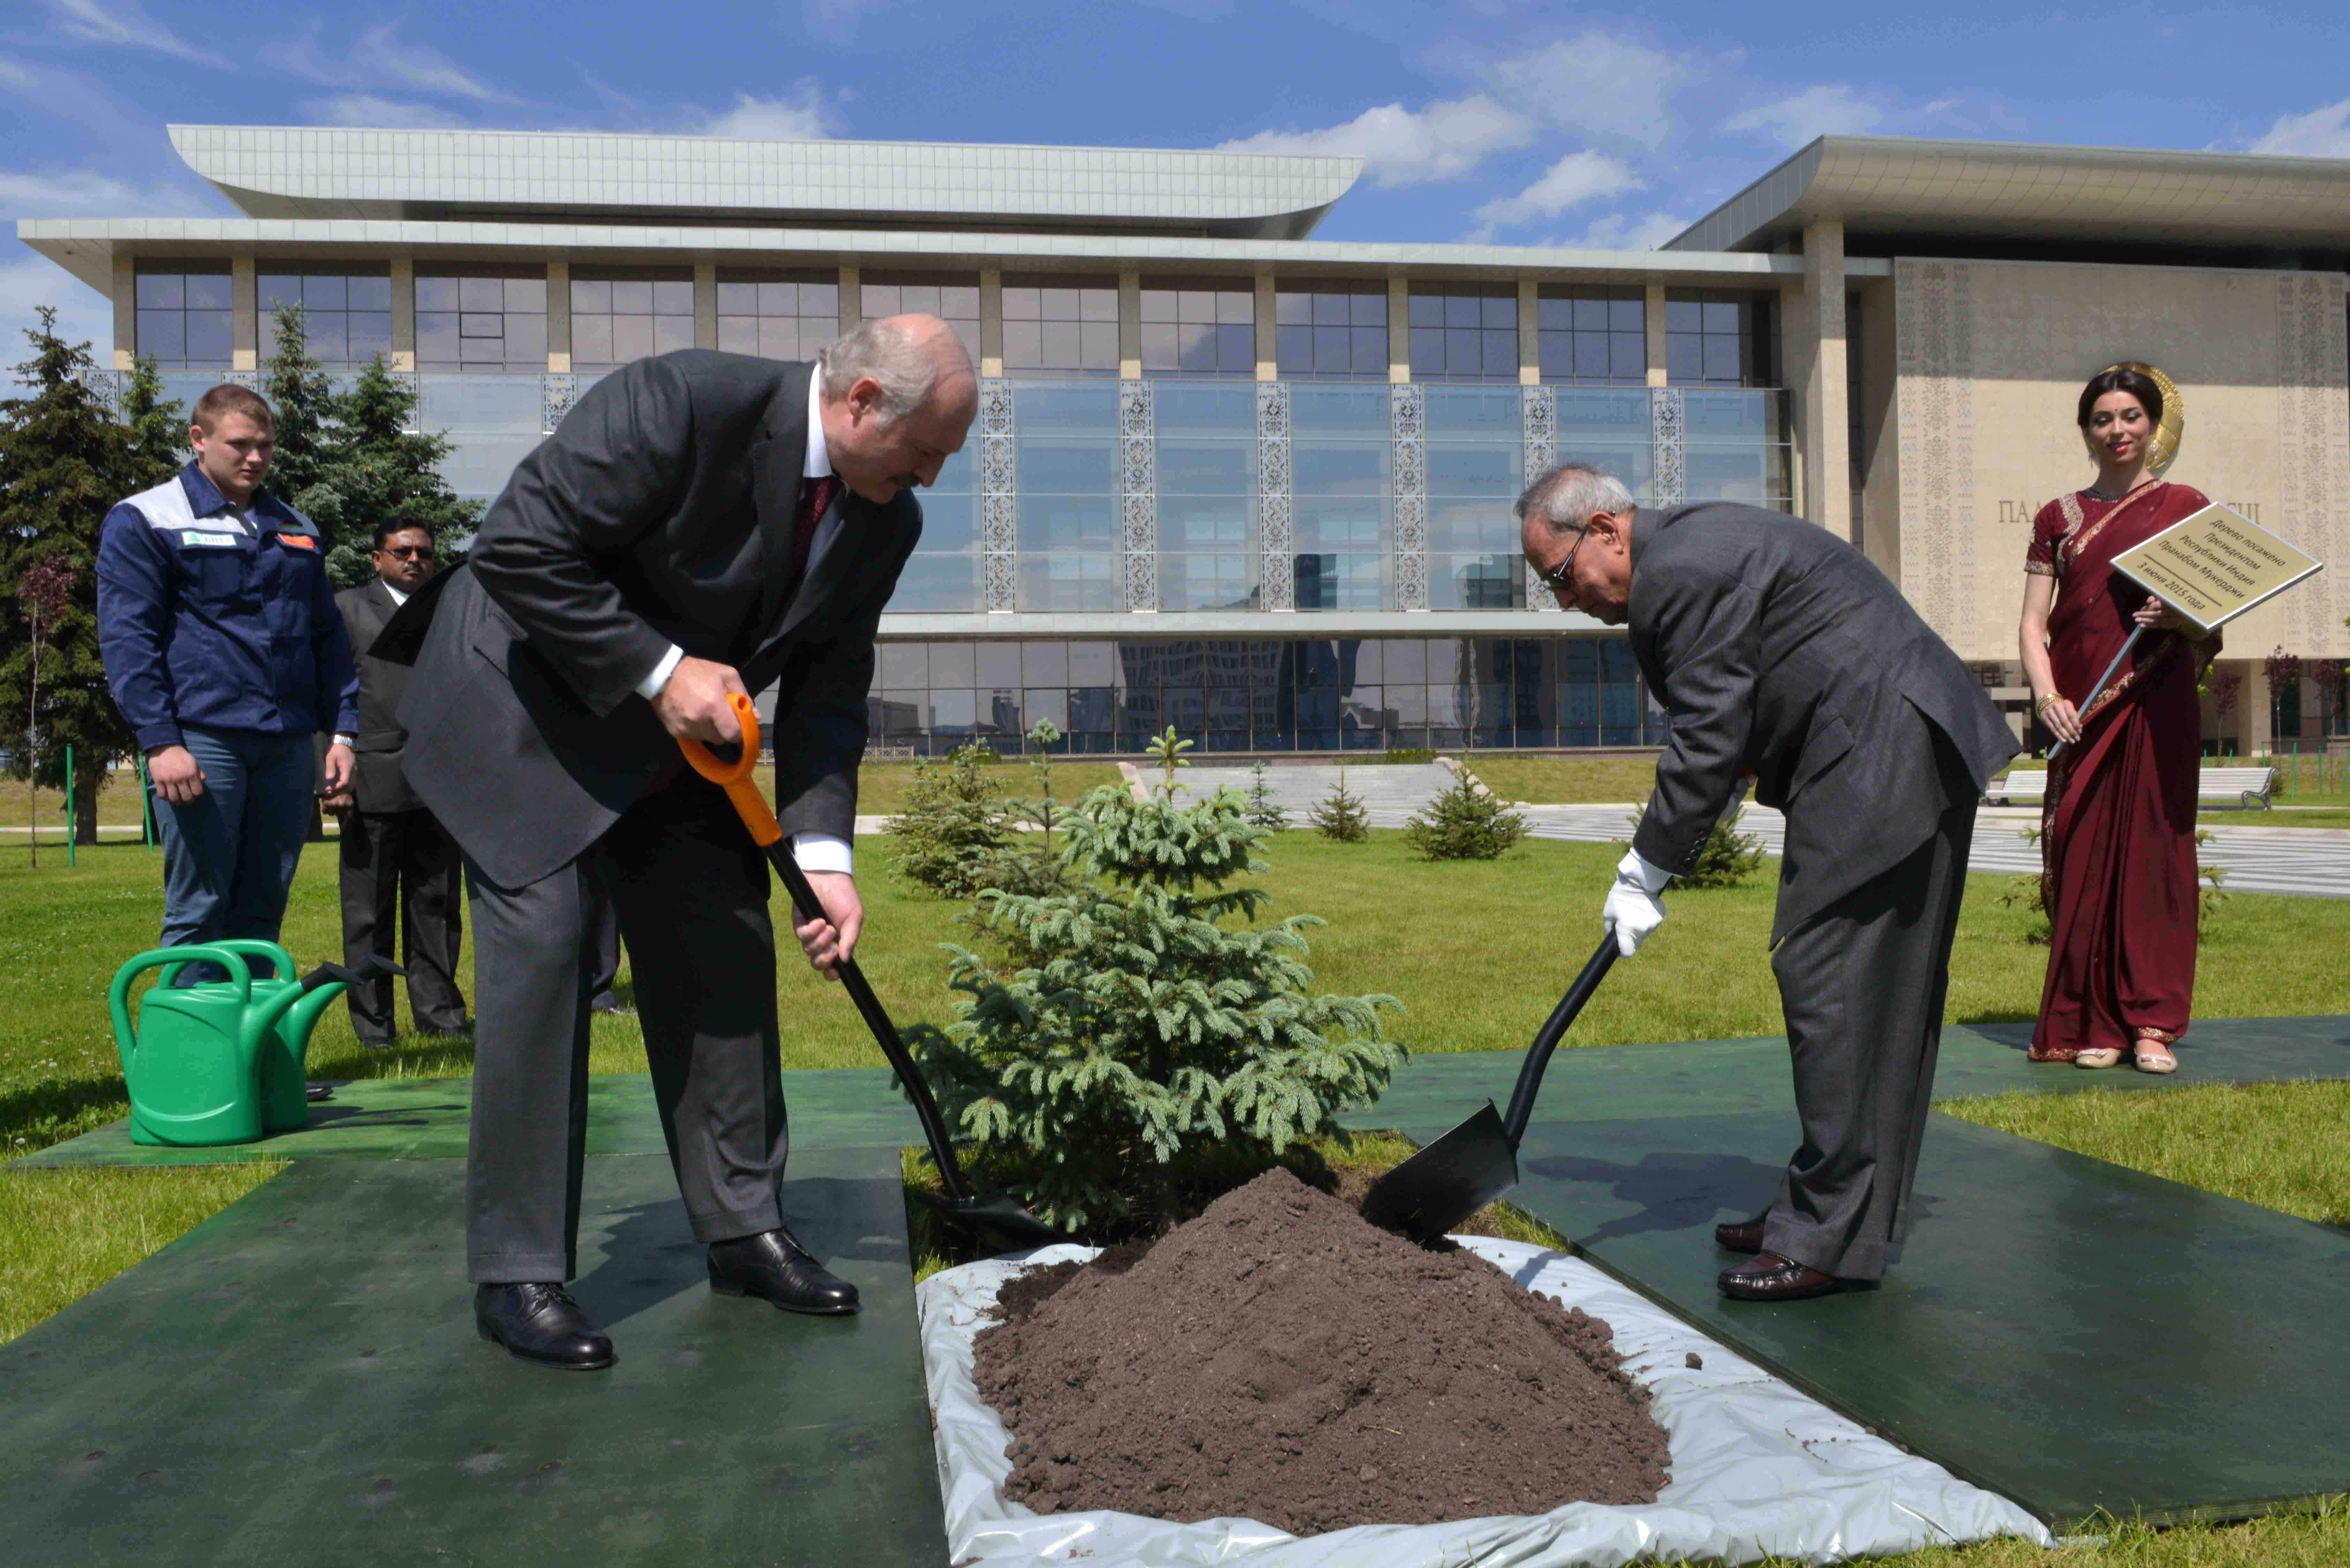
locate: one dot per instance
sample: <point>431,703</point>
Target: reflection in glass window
<point>1341,456</point>
<point>1207,328</point>
<point>1714,339</point>
<point>346,315</point>
<point>1330,332</point>
<point>777,314</point>
<point>1207,451</point>
<point>942,575</point>
<point>482,318</point>
<point>1476,466</point>
<point>185,315</point>
<point>619,315</point>
<point>1060,326</point>
<point>1593,337</point>
<point>1610,428</point>
<point>951,297</point>
<point>1464,332</point>
<point>1065,465</point>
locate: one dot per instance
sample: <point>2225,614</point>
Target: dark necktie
<point>815,498</point>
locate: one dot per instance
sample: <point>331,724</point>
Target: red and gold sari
<point>2118,850</point>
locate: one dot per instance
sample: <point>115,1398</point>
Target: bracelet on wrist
<point>2044,703</point>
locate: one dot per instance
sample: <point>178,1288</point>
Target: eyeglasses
<point>407,552</point>
<point>1560,576</point>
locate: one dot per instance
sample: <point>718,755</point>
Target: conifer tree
<point>382,468</point>
<point>950,836</point>
<point>1340,816</point>
<point>1156,1023</point>
<point>1463,824</point>
<point>1263,811</point>
<point>65,461</point>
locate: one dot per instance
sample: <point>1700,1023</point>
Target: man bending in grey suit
<point>701,526</point>
<point>1783,654</point>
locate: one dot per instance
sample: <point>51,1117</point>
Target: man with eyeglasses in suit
<point>399,866</point>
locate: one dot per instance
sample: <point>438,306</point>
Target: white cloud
<point>2320,133</point>
<point>1621,232</point>
<point>84,192</point>
<point>834,18</point>
<point>359,109</point>
<point>1574,179</point>
<point>1596,84</point>
<point>1830,110</point>
<point>1399,146</point>
<point>122,23</point>
<point>773,118</point>
<point>414,65</point>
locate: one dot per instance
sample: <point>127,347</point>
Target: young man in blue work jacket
<point>225,653</point>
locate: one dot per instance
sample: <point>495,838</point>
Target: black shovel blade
<point>998,1221</point>
<point>1446,1182</point>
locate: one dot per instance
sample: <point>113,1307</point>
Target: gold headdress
<point>2172,428</point>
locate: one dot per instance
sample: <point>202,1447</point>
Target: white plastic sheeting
<point>1758,1467</point>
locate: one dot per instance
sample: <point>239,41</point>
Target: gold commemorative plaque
<point>2216,564</point>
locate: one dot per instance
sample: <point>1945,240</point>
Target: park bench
<point>2213,786</point>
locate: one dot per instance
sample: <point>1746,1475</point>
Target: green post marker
<point>69,810</point>
<point>146,804</point>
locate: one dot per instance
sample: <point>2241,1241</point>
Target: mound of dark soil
<point>1279,1358</point>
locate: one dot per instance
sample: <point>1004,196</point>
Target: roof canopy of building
<point>289,172</point>
<point>1897,194</point>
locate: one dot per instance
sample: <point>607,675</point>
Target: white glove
<point>1634,908</point>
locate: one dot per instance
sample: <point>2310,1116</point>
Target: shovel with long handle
<point>1476,1162</point>
<point>995,1216</point>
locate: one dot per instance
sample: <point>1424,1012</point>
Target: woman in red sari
<point>2119,828</point>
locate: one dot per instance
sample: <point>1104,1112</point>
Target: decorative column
<point>1827,433</point>
<point>557,390</point>
<point>1268,357</point>
<point>991,324</point>
<point>1407,410</point>
<point>1529,334</point>
<point>850,302</point>
<point>1542,450</point>
<point>1137,491</point>
<point>126,312</point>
<point>998,498</point>
<point>1399,330</point>
<point>244,313</point>
<point>1276,540</point>
<point>1129,326</point>
<point>558,319</point>
<point>1652,323</point>
<point>705,305</point>
<point>1669,468</point>
<point>404,314</point>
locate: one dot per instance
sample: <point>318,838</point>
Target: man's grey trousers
<point>1861,985</point>
<point>691,890</point>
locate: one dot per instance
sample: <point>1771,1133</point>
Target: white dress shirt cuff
<point>649,687</point>
<point>1652,878</point>
<point>343,740</point>
<point>822,852</point>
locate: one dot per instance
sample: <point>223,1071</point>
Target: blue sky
<point>1478,118</point>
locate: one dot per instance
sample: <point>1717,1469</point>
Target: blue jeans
<point>229,854</point>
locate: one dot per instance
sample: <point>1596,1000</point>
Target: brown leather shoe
<point>1741,1235</point>
<point>1772,1278</point>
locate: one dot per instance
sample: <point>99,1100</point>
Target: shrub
<point>1463,824</point>
<point>1147,1033</point>
<point>1728,858</point>
<point>950,834</point>
<point>1340,816</point>
<point>1410,755</point>
<point>1263,811</point>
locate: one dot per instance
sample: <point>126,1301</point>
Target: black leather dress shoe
<point>541,1323</point>
<point>1741,1235</point>
<point>774,1268</point>
<point>1772,1278</point>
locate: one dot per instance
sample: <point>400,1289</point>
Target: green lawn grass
<point>2285,816</point>
<point>1564,780</point>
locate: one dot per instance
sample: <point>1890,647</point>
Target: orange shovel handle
<point>734,777</point>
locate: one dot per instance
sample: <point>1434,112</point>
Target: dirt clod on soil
<point>1281,1359</point>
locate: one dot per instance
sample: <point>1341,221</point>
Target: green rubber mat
<point>299,1380</point>
<point>2073,1334</point>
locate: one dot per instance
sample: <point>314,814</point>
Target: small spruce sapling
<point>1264,810</point>
<point>949,836</point>
<point>1728,858</point>
<point>1462,822</point>
<point>1341,816</point>
<point>1158,1023</point>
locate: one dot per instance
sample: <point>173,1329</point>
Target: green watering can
<point>222,1061</point>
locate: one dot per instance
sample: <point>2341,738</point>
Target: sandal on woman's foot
<point>2098,1056</point>
<point>2049,1053</point>
<point>2154,1061</point>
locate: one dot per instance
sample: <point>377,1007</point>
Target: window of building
<point>623,314</point>
<point>1330,332</point>
<point>1341,459</point>
<point>778,314</point>
<point>1464,332</point>
<point>1476,466</point>
<point>952,298</point>
<point>1715,340</point>
<point>482,318</point>
<point>943,576</point>
<point>346,315</point>
<point>1198,328</point>
<point>1060,326</point>
<point>1065,463</point>
<point>1593,337</point>
<point>185,314</point>
<point>1206,453</point>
